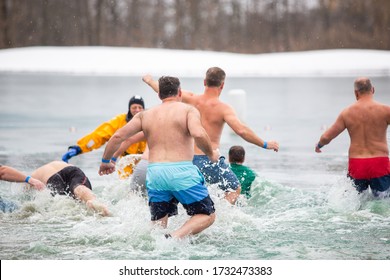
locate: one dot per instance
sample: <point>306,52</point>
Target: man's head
<point>236,154</point>
<point>136,104</point>
<point>363,85</point>
<point>168,87</point>
<point>215,77</point>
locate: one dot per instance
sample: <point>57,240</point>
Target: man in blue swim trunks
<point>171,130</point>
<point>214,114</point>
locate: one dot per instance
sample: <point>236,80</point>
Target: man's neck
<point>212,91</point>
<point>169,99</point>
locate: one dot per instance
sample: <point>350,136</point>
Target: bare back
<point>44,172</point>
<point>367,122</point>
<point>167,132</point>
<point>212,112</point>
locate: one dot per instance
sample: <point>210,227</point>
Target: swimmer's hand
<point>98,207</point>
<point>36,184</point>
<point>106,168</point>
<point>272,145</point>
<point>147,78</point>
<point>318,147</point>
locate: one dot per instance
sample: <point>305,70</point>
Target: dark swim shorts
<point>370,172</point>
<point>217,173</point>
<point>66,180</point>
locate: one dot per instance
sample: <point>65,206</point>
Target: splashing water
<point>277,222</point>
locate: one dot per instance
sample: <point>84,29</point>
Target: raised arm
<point>332,132</point>
<point>245,132</point>
<point>13,175</point>
<point>148,79</point>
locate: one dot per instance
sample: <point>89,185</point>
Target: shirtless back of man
<point>367,122</point>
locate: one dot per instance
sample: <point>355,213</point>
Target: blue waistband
<point>176,163</point>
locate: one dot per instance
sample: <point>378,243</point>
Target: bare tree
<point>249,26</point>
<point>5,41</point>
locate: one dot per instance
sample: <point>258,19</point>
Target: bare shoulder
<point>225,108</point>
<point>384,106</point>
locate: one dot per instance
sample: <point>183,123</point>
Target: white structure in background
<point>237,99</point>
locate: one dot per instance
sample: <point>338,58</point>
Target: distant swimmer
<point>61,178</point>
<point>214,114</point>
<point>103,133</point>
<point>245,174</point>
<point>171,129</point>
<point>366,122</point>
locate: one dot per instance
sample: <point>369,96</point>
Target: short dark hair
<point>215,76</point>
<point>236,154</point>
<point>363,85</point>
<point>168,86</point>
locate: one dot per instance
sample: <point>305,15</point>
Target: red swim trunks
<point>373,173</point>
<point>368,168</point>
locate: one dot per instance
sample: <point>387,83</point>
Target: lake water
<point>302,206</point>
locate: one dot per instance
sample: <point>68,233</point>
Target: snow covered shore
<point>122,61</point>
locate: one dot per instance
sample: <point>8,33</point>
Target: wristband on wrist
<point>114,159</point>
<point>27,178</point>
<point>265,145</point>
<point>319,146</point>
<point>105,160</point>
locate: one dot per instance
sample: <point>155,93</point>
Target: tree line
<point>242,26</point>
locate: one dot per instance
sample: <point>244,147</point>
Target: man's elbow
<point>241,132</point>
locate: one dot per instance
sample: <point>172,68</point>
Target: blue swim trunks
<point>172,182</point>
<point>217,173</point>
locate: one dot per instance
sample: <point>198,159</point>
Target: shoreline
<point>135,62</point>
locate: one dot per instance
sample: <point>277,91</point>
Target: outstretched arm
<point>128,142</point>
<point>331,133</point>
<point>86,195</point>
<point>13,175</point>
<point>245,132</point>
<point>131,128</point>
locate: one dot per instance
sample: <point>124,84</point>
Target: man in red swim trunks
<point>366,121</point>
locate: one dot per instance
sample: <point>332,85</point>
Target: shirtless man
<point>366,121</point>
<point>61,178</point>
<point>171,129</point>
<point>214,114</point>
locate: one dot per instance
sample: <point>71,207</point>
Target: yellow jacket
<point>104,132</point>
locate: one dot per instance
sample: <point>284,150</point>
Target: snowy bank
<point>139,61</point>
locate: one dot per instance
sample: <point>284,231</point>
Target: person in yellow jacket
<point>103,133</point>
